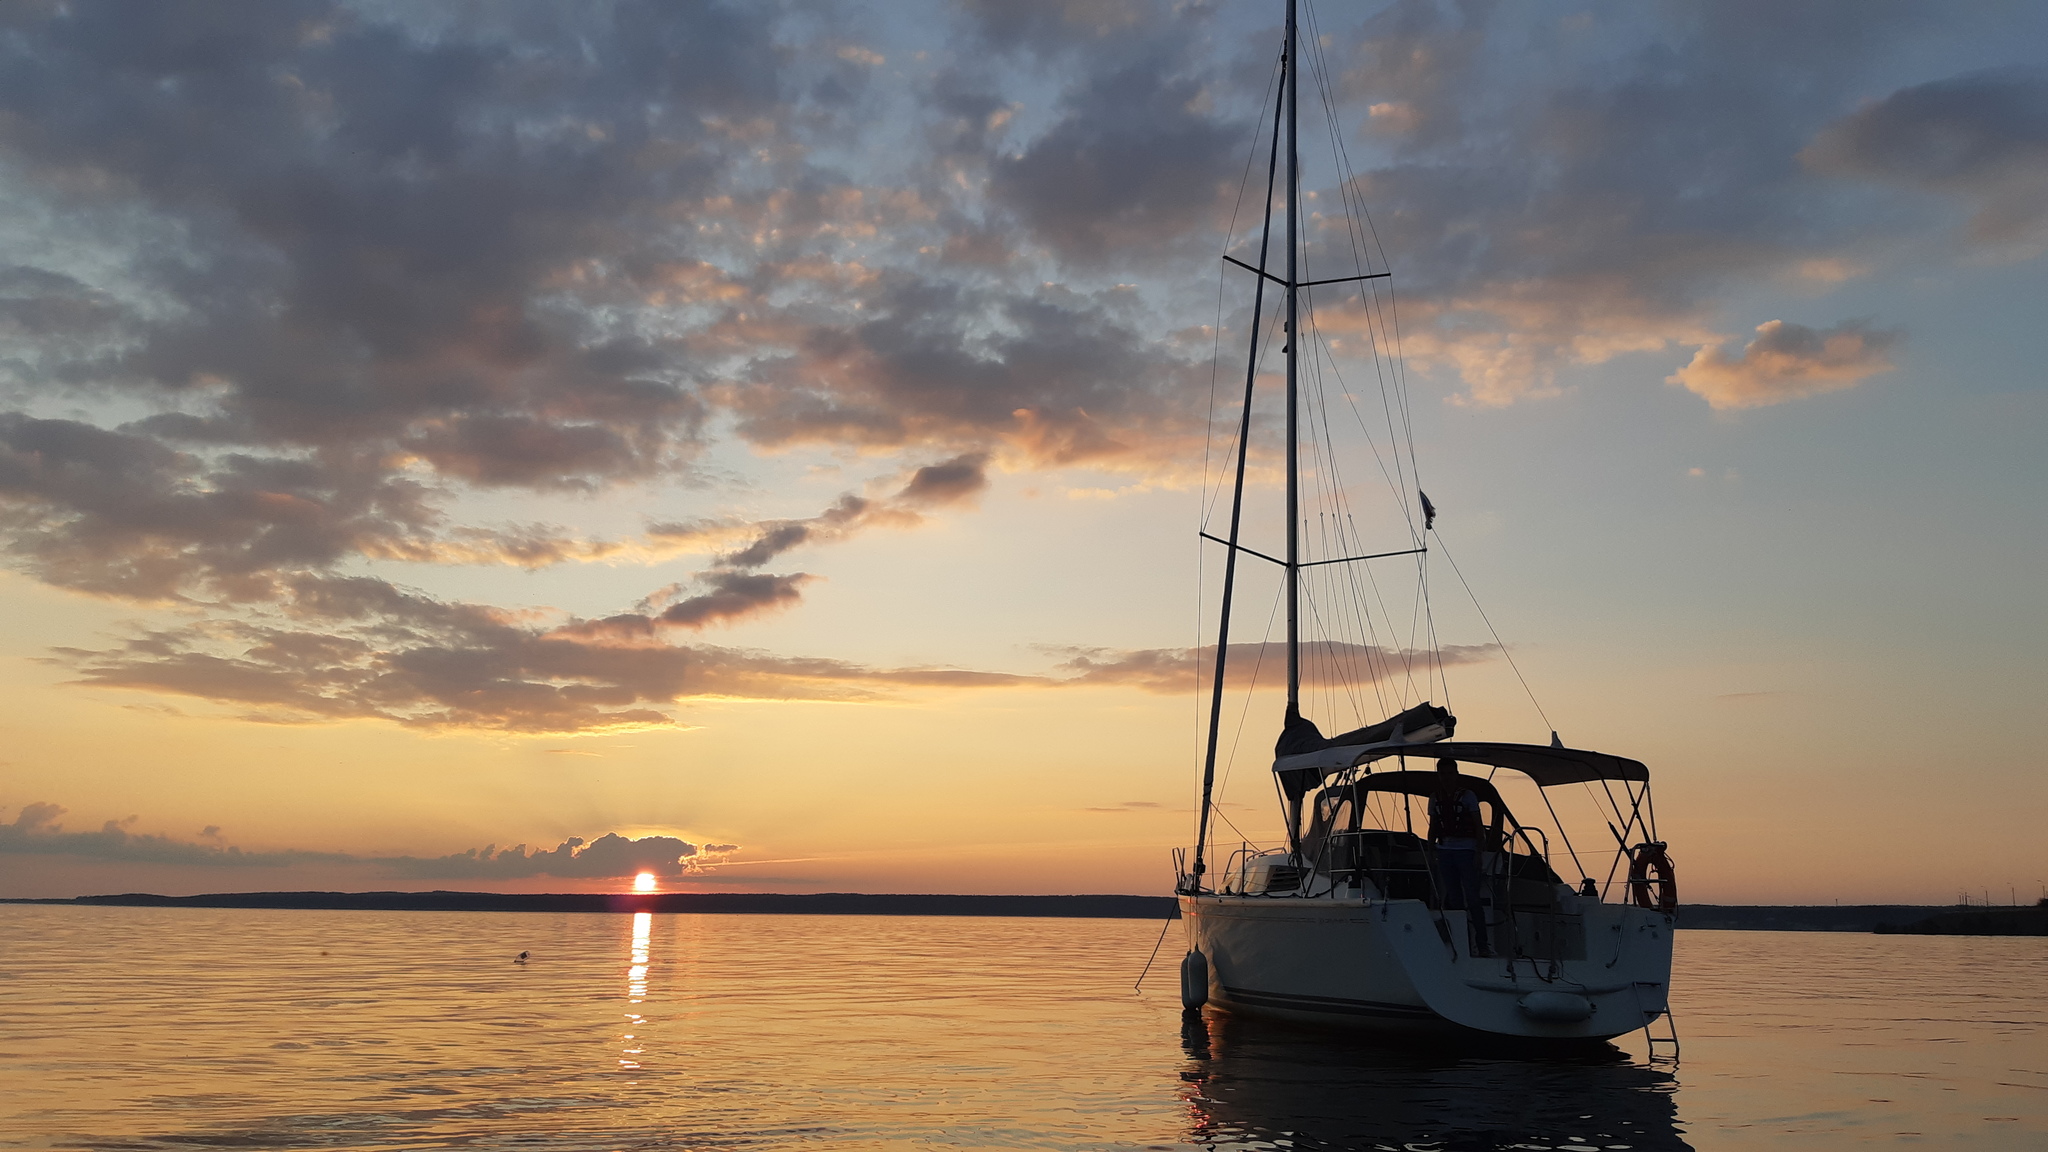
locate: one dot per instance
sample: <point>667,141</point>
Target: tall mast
<point>1286,108</point>
<point>1293,347</point>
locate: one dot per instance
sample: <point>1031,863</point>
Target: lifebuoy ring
<point>1643,860</point>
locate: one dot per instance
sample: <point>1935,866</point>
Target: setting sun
<point>644,882</point>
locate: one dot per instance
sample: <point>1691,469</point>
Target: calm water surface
<point>125,1028</point>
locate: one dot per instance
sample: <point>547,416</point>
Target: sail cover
<point>1301,734</point>
<point>1303,757</point>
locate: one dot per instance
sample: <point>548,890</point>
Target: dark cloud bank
<point>35,831</point>
<point>300,275</point>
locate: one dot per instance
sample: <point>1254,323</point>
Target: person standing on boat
<point>1455,828</point>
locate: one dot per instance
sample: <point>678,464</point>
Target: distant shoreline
<point>1740,917</point>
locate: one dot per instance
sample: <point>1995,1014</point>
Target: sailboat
<point>1406,896</point>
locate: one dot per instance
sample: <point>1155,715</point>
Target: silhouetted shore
<point>1977,922</point>
<point>1802,918</point>
<point>1901,918</point>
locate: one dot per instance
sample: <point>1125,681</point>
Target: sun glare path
<point>644,882</point>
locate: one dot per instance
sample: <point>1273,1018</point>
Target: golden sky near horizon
<point>766,444</point>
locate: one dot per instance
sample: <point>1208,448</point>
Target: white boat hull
<point>1383,965</point>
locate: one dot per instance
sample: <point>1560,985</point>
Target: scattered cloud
<point>278,309</point>
<point>339,648</point>
<point>609,856</point>
<point>1177,671</point>
<point>1786,362</point>
<point>1982,138</point>
<point>1138,162</point>
<point>1690,159</point>
<point>952,481</point>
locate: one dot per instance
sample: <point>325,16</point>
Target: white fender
<point>1555,1007</point>
<point>1194,980</point>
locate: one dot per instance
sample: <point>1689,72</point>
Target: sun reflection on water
<point>636,989</point>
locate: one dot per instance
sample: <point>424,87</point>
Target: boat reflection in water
<point>1255,1083</point>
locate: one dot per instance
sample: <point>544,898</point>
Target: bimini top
<point>1547,765</point>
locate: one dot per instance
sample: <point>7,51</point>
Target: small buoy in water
<point>1194,980</point>
<point>521,959</point>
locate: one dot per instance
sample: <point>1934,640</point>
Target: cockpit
<point>1372,834</point>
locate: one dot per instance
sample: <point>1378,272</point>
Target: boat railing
<point>1348,859</point>
<point>1235,879</point>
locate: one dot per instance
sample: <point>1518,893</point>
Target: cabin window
<point>1335,812</point>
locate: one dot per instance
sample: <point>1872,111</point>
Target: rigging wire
<point>1352,641</point>
<point>1212,495</point>
<point>1358,212</point>
<point>1242,457</point>
<point>1216,332</point>
<point>1354,211</point>
<point>1394,399</point>
<point>1353,541</point>
<point>1495,632</point>
<point>1245,713</point>
<point>1388,317</point>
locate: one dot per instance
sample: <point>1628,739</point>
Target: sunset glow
<point>437,437</point>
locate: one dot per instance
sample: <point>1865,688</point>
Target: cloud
<point>1055,375</point>
<point>848,515</point>
<point>726,597</point>
<point>376,221</point>
<point>610,856</point>
<point>1786,362</point>
<point>735,595</point>
<point>35,817</point>
<point>1056,29</point>
<point>35,831</point>
<point>1134,165</point>
<point>949,482</point>
<point>731,591</point>
<point>1982,138</point>
<point>345,277</point>
<point>288,293</point>
<point>1324,663</point>
<point>115,512</point>
<point>120,513</point>
<point>342,648</point>
<point>339,648</point>
<point>555,250</point>
<point>1654,168</point>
